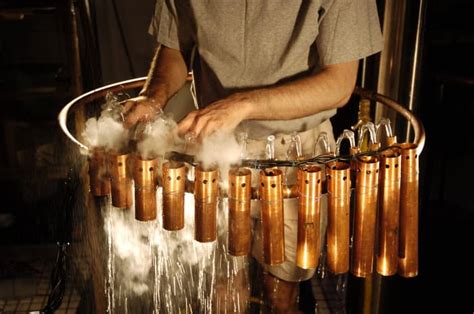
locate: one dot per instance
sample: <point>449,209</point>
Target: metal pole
<point>415,73</point>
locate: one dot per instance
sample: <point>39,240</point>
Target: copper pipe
<point>408,255</point>
<point>205,200</point>
<point>272,216</point>
<point>99,180</point>
<point>389,211</point>
<point>418,128</point>
<point>339,197</point>
<point>288,191</point>
<point>239,211</point>
<point>174,181</point>
<point>308,246</point>
<point>145,174</point>
<point>121,180</point>
<point>365,215</point>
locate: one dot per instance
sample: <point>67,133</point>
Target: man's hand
<point>166,76</point>
<point>140,109</point>
<point>222,115</point>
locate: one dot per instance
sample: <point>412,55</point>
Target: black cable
<point>57,280</point>
<point>270,163</point>
<point>59,272</point>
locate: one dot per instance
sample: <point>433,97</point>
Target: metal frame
<point>98,93</point>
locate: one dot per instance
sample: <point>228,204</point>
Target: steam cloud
<point>135,243</point>
<point>221,150</point>
<point>107,131</point>
<point>158,137</point>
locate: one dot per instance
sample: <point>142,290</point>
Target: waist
<point>261,129</point>
<point>256,148</point>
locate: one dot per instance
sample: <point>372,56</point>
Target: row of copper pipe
<point>385,223</point>
<point>114,174</point>
<point>385,217</point>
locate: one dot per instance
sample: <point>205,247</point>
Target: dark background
<point>35,83</point>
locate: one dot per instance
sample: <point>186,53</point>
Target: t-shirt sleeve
<point>348,30</point>
<point>171,26</point>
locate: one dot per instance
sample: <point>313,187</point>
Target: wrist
<point>157,96</point>
<point>153,104</point>
<point>250,101</point>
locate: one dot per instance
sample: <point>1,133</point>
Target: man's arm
<point>328,89</point>
<point>166,76</point>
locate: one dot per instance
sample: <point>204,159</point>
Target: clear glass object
<point>346,135</point>
<point>270,147</point>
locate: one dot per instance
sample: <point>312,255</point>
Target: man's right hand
<point>140,109</point>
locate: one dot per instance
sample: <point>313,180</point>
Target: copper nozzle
<point>308,246</point>
<point>353,151</point>
<point>339,198</point>
<point>375,146</point>
<point>389,212</point>
<point>174,181</point>
<point>240,189</point>
<point>145,174</point>
<point>272,216</point>
<point>408,255</point>
<point>99,180</point>
<point>391,140</point>
<point>120,180</point>
<point>205,199</point>
<point>367,177</point>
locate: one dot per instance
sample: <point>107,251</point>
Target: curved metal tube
<point>95,94</point>
<point>91,96</point>
<point>417,125</point>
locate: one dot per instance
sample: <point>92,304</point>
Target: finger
<point>128,105</point>
<point>185,125</point>
<point>213,127</point>
<point>132,118</point>
<point>201,125</point>
<point>206,131</point>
